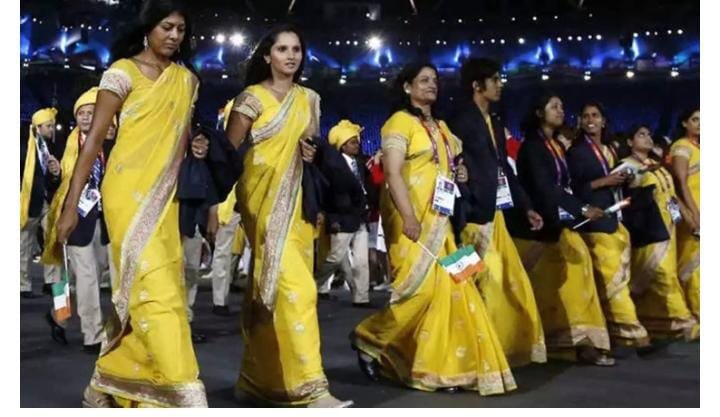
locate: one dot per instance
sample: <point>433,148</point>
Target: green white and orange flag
<point>61,294</point>
<point>461,264</point>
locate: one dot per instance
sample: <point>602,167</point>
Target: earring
<point>145,42</point>
<point>407,91</point>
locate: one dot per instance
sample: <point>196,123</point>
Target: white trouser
<point>192,250</point>
<point>222,264</point>
<point>51,273</point>
<point>355,268</point>
<point>85,265</point>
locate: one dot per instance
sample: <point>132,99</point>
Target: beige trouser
<point>85,263</point>
<point>28,235</point>
<point>355,269</point>
<point>223,261</point>
<point>192,250</point>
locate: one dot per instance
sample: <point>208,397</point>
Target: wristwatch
<point>585,209</point>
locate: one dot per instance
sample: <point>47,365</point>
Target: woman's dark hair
<point>130,42</point>
<point>257,69</point>
<point>625,150</point>
<point>477,69</point>
<point>399,100</point>
<point>606,134</point>
<point>532,122</point>
<point>680,131</point>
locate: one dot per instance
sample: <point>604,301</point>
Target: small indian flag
<point>462,264</point>
<point>61,294</point>
<point>61,299</point>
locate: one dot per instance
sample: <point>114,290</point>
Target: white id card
<point>444,195</point>
<point>564,215</point>
<point>88,199</point>
<point>503,197</point>
<point>674,209</point>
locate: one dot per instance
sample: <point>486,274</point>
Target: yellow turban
<point>88,97</point>
<point>343,132</point>
<point>43,116</point>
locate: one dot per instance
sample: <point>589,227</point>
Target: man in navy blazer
<point>346,213</point>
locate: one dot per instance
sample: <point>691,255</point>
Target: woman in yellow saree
<point>147,358</point>
<point>685,154</point>
<point>281,363</point>
<point>435,333</point>
<point>556,257</point>
<point>491,194</point>
<point>655,288</point>
<point>593,181</point>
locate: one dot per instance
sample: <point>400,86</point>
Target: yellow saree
<point>147,357</point>
<point>610,253</point>
<point>562,278</point>
<point>435,333</point>
<point>688,244</point>
<point>655,288</point>
<point>281,363</point>
<point>508,294</point>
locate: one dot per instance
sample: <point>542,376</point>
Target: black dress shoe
<point>92,349</point>
<point>222,311</point>
<point>29,294</point>
<point>327,296</point>
<point>368,367</point>
<point>451,390</point>
<point>198,337</point>
<point>56,331</point>
<point>362,305</point>
<point>47,289</point>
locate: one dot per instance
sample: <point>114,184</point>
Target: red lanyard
<point>436,156</point>
<point>600,157</point>
<point>559,160</point>
<point>101,154</point>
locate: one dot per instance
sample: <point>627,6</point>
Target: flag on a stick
<point>61,294</point>
<point>461,264</point>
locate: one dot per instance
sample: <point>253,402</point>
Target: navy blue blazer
<point>585,168</point>
<point>478,201</point>
<point>346,205</point>
<point>538,175</point>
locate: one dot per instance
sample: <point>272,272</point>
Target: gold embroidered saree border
<point>496,382</point>
<point>434,239</point>
<point>141,228</point>
<point>188,394</point>
<point>274,126</point>
<point>304,393</point>
<point>281,216</point>
<point>579,335</point>
<point>622,276</point>
<point>642,279</point>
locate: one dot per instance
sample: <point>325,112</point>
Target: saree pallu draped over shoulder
<point>147,357</point>
<point>281,363</point>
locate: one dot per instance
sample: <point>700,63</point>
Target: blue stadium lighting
<point>635,49</point>
<point>549,50</point>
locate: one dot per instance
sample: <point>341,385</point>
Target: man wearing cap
<point>40,168</point>
<point>346,214</point>
<point>89,240</point>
